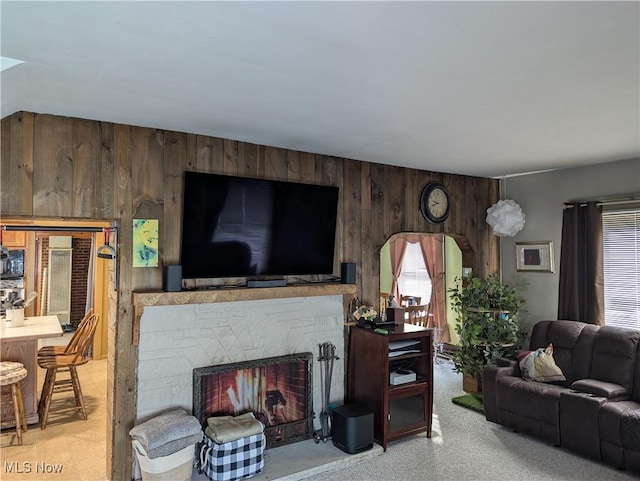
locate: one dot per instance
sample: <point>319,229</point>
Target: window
<point>414,279</point>
<point>621,245</point>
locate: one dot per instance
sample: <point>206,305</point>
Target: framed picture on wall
<point>534,256</point>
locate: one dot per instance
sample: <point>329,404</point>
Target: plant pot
<point>471,384</point>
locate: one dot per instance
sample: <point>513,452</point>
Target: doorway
<point>85,238</point>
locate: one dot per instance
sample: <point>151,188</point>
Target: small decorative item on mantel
<point>393,312</point>
<point>392,302</point>
<point>365,314</point>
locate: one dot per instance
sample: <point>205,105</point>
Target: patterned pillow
<point>539,365</point>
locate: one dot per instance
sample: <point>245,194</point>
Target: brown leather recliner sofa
<point>595,412</point>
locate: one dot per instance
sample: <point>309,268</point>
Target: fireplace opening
<point>278,390</point>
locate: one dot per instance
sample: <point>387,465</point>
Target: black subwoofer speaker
<point>352,428</point>
<point>348,273</point>
<point>172,281</point>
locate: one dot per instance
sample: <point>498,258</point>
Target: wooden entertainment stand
<point>402,409</point>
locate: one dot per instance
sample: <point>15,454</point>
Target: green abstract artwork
<point>145,242</point>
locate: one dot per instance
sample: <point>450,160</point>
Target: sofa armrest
<point>490,378</point>
<point>505,362</point>
<point>608,390</point>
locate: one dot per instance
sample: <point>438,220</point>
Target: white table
<point>21,344</point>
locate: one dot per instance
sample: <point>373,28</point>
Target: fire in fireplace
<point>278,390</point>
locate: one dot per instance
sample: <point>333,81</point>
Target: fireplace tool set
<point>326,358</point>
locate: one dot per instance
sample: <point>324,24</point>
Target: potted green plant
<point>487,325</point>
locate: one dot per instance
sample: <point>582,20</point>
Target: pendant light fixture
<point>506,218</point>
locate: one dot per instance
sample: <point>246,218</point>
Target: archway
<point>454,255</point>
<point>36,233</point>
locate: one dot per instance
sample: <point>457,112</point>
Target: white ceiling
<point>475,88</point>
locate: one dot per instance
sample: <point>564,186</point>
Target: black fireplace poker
<point>326,357</point>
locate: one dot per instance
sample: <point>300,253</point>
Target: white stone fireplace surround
<point>173,340</point>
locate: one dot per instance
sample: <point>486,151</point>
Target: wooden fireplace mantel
<point>207,296</point>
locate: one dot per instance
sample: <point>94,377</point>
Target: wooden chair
<point>56,364</point>
<point>72,345</point>
<point>418,315</point>
<point>383,303</point>
<point>404,300</point>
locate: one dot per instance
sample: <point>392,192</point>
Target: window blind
<point>621,246</point>
<point>414,279</point>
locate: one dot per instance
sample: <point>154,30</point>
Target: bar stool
<point>72,346</point>
<point>59,363</point>
<point>11,374</point>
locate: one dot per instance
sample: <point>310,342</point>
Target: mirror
<point>420,282</point>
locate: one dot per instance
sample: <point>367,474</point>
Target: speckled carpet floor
<point>464,447</point>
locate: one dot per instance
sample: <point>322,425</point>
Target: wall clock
<point>435,202</point>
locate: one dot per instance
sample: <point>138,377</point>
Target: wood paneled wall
<point>54,166</point>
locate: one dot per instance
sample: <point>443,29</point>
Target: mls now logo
<point>27,467</point>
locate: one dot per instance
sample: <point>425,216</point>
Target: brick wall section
<point>80,258</point>
<point>80,269</point>
<point>176,339</point>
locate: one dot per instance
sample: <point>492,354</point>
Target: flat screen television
<point>245,227</point>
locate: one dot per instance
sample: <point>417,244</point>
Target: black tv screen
<point>245,227</point>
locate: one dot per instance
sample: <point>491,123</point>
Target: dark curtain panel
<point>581,294</point>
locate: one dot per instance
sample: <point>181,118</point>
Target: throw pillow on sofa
<point>539,365</point>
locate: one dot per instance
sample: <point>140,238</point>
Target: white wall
<point>541,197</point>
<point>176,339</point>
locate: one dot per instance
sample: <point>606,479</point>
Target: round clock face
<point>434,202</point>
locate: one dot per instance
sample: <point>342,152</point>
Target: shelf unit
<point>398,410</point>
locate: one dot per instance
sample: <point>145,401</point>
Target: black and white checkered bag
<point>233,460</point>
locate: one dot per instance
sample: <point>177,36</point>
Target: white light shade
<point>506,218</point>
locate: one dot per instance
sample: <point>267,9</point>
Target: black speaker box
<point>348,273</point>
<point>352,428</point>
<point>172,281</point>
